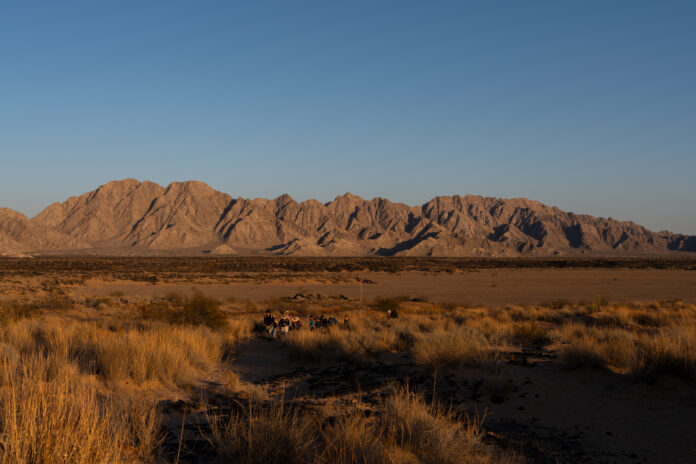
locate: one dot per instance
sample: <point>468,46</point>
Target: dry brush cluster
<point>69,388</point>
<point>402,428</point>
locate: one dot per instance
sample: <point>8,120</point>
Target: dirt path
<point>261,358</point>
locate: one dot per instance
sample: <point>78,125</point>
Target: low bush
<point>386,304</point>
<point>405,429</point>
<point>434,434</point>
<point>55,302</point>
<point>48,414</point>
<point>194,310</point>
<point>530,334</point>
<point>557,303</point>
<point>669,352</point>
<point>15,311</point>
<point>158,352</point>
<point>268,435</point>
<point>456,346</point>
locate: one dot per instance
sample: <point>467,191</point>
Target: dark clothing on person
<point>268,320</point>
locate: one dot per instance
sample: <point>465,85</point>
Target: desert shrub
<point>318,344</point>
<point>404,429</point>
<point>201,310</point>
<point>365,338</point>
<point>268,435</point>
<point>597,304</point>
<point>157,310</point>
<point>49,414</point>
<point>55,302</point>
<point>434,434</point>
<point>499,314</point>
<point>57,422</point>
<point>96,302</point>
<point>166,353</point>
<point>669,352</point>
<point>249,306</point>
<point>559,303</point>
<point>448,306</point>
<point>595,346</point>
<point>529,334</point>
<point>457,346</point>
<point>655,318</point>
<point>142,419</point>
<point>15,311</point>
<point>582,353</point>
<point>175,299</point>
<point>385,304</point>
<point>351,438</point>
<point>194,310</point>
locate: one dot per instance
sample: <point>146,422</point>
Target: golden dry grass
<point>643,340</point>
<point>49,413</point>
<point>64,371</point>
<point>405,429</point>
<point>61,395</point>
<point>157,351</point>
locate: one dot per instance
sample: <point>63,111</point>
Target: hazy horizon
<point>587,107</point>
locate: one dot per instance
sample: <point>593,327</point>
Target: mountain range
<point>129,217</point>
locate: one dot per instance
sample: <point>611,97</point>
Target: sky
<point>588,105</point>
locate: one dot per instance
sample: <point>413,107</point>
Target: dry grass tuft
<point>48,414</point>
<point>456,346</point>
<point>404,425</point>
<point>269,435</point>
<point>181,310</point>
<point>434,434</point>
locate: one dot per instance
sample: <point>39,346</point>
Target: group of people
<point>288,322</point>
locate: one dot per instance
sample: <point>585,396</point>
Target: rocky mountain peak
<point>193,218</point>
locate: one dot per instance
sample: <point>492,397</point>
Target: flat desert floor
<point>480,287</point>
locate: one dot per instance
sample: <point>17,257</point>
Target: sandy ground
<point>552,415</point>
<point>491,287</point>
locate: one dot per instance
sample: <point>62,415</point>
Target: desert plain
<point>514,360</point>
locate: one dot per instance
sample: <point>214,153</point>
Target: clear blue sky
<point>588,106</point>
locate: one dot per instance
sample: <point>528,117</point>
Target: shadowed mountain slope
<point>132,217</point>
<point>19,234</point>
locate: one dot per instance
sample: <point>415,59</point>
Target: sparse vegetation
<point>119,373</point>
<point>182,310</point>
<point>404,425</point>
